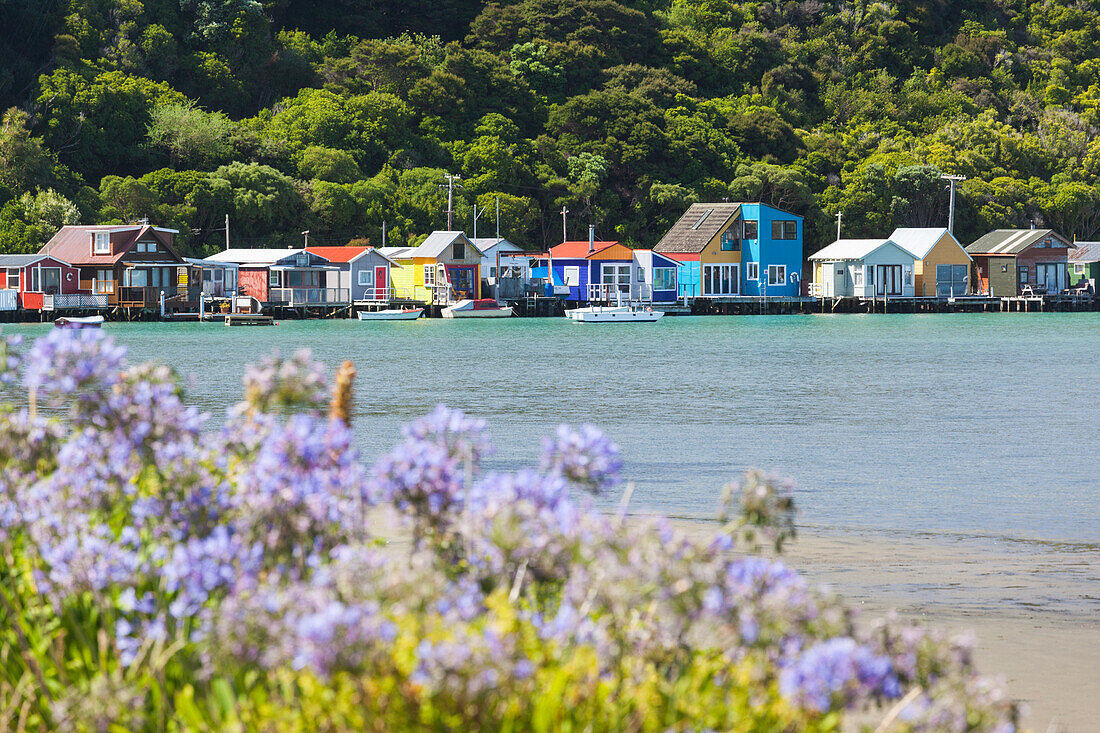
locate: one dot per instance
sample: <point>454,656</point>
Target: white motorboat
<point>79,322</point>
<point>391,314</point>
<point>614,314</point>
<point>484,308</point>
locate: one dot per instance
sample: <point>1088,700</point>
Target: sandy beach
<point>1033,606</point>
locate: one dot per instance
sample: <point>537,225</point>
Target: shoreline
<point>1035,612</point>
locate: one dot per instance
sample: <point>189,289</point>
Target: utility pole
<point>951,205</point>
<point>839,215</point>
<point>383,232</point>
<point>451,178</point>
<point>476,215</point>
<point>498,217</point>
<point>227,231</point>
<point>564,234</point>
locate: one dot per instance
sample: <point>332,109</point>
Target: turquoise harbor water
<point>984,425</point>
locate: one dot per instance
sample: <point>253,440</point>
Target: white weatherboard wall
<point>889,254</point>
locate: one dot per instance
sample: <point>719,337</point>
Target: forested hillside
<point>339,115</point>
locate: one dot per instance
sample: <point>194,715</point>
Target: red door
<point>380,284</point>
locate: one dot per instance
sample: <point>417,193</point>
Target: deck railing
<point>9,300</point>
<point>292,297</point>
<point>73,301</point>
<point>815,290</point>
<point>607,292</point>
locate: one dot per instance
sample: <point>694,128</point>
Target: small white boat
<point>615,314</point>
<point>391,314</point>
<point>79,322</point>
<point>484,308</point>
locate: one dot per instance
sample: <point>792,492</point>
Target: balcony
<point>135,296</point>
<point>73,301</point>
<point>294,297</point>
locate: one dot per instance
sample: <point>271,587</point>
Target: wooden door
<point>380,283</point>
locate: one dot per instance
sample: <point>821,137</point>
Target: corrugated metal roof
<point>253,256</point>
<point>20,260</point>
<point>1009,241</point>
<point>578,250</point>
<point>73,244</point>
<point>337,254</point>
<point>1085,252</point>
<point>697,227</point>
<point>484,244</point>
<point>919,241</point>
<point>396,252</point>
<point>438,242</point>
<point>850,249</point>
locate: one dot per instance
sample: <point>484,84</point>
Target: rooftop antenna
<point>564,235</point>
<point>227,232</point>
<point>306,235</point>
<point>476,215</point>
<point>951,206</point>
<point>839,216</point>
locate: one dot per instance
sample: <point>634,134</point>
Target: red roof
<point>73,244</point>
<point>578,250</point>
<point>338,254</point>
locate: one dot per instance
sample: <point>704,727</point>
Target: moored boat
<point>391,314</point>
<point>616,314</point>
<point>483,308</point>
<point>79,322</point>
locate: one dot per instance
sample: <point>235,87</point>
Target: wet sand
<point>1033,606</point>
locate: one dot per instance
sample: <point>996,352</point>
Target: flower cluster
<point>586,457</point>
<point>270,545</point>
<point>278,385</point>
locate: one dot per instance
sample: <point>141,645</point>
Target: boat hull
<point>74,322</point>
<point>505,312</point>
<point>410,314</point>
<point>617,315</point>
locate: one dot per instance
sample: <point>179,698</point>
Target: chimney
<point>591,238</point>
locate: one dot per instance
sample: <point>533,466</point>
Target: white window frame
<point>616,270</point>
<point>857,276</point>
<point>718,274</point>
<point>752,270</point>
<point>101,243</point>
<point>572,275</point>
<point>12,272</point>
<point>777,274</point>
<point>429,276</point>
<point>104,282</point>
<point>366,278</point>
<point>1023,274</point>
<point>1078,268</point>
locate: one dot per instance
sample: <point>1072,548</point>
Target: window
<point>492,272</point>
<point>102,243</point>
<point>720,280</point>
<point>908,276</point>
<point>1023,275</point>
<point>429,276</point>
<point>1078,269</point>
<point>13,278</point>
<point>218,275</point>
<point>784,229</point>
<point>664,278</point>
<point>857,275</point>
<point>366,278</point>
<point>870,274</point>
<point>135,278</point>
<point>155,277</point>
<point>752,270</point>
<point>752,229</point>
<point>777,274</point>
<point>572,275</point>
<point>616,275</point>
<point>729,242</point>
<point>458,250</point>
<point>273,278</point>
<point>104,282</point>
